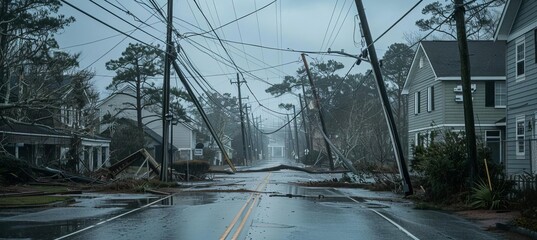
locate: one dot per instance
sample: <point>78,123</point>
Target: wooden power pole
<point>243,129</point>
<point>466,89</point>
<point>397,148</point>
<point>166,101</point>
<point>318,106</point>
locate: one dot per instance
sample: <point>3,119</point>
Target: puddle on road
<point>44,230</point>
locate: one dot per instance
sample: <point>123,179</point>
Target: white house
<point>118,105</point>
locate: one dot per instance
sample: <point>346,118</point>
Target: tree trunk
<point>4,79</point>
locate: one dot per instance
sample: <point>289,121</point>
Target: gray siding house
<point>434,90</point>
<point>518,26</point>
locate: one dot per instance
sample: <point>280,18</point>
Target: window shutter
<point>419,102</point>
<point>489,94</point>
<point>432,98</point>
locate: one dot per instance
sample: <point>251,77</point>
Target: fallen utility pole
<point>469,125</point>
<point>397,148</point>
<point>203,114</point>
<point>166,101</point>
<point>243,130</point>
<point>318,106</point>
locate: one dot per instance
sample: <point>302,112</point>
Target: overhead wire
<point>337,21</point>
<point>342,23</point>
<point>187,35</point>
<point>231,59</point>
<point>122,19</point>
<point>240,34</point>
<point>328,26</point>
<point>126,11</point>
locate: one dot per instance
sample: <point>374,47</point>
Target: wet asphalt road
<point>242,206</point>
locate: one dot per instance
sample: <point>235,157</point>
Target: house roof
<point>10,126</point>
<point>487,58</point>
<point>507,19</point>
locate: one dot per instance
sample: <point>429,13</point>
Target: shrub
<point>483,197</point>
<point>444,171</point>
<point>442,166</point>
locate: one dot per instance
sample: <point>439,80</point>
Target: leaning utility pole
<point>306,135</point>
<point>296,133</point>
<point>244,154</point>
<point>466,89</point>
<point>255,136</point>
<point>397,148</point>
<point>289,137</point>
<point>166,101</point>
<point>318,106</point>
<point>249,135</point>
<point>204,117</point>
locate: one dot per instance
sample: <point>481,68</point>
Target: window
<point>500,94</point>
<point>416,102</point>
<point>430,99</point>
<point>421,62</point>
<point>520,58</point>
<point>495,94</point>
<point>520,129</point>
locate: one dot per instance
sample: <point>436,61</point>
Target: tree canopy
<point>480,21</point>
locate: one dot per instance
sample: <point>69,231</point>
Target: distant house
<point>518,27</point>
<point>434,90</point>
<point>60,136</point>
<point>119,105</point>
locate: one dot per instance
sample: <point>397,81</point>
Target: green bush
<point>483,197</point>
<point>443,169</point>
<point>442,166</point>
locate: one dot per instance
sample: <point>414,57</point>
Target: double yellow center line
<point>253,196</point>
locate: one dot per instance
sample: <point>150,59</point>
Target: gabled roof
<point>487,60</point>
<point>507,20</point>
<point>112,95</point>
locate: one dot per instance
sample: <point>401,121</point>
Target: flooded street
<point>262,205</point>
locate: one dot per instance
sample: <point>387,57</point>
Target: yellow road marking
<point>260,186</point>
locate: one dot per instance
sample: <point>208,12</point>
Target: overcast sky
<point>311,25</point>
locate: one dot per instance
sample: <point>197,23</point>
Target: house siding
<point>422,79</point>
<point>521,100</point>
<point>526,15</point>
<point>447,114</point>
<point>454,111</point>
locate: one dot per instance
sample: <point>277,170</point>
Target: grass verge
<point>31,200</point>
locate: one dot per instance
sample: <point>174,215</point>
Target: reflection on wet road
<point>241,206</point>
